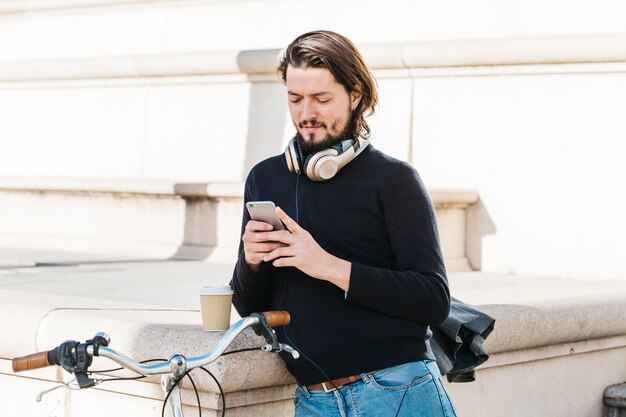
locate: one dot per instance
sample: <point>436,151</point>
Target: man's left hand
<point>304,253</point>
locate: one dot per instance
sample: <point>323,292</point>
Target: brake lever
<point>263,329</point>
<point>44,392</point>
<point>294,353</point>
<point>65,385</point>
<point>280,348</point>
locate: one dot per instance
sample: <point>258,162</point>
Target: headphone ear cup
<point>322,165</point>
<point>293,155</point>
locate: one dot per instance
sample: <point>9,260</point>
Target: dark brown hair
<point>330,50</point>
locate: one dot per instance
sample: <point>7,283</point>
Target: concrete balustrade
<point>615,400</point>
<point>159,219</point>
<point>552,353</point>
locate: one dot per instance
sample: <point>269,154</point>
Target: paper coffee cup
<point>215,307</point>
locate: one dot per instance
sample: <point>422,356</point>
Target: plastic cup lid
<point>219,290</point>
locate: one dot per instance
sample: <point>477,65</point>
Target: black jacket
<point>458,342</point>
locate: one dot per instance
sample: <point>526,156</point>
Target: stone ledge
<point>595,48</point>
<point>552,332</point>
<point>566,349</point>
<point>442,198</point>
<point>122,186</point>
<point>451,198</point>
<point>599,319</point>
<point>24,6</point>
<point>140,333</point>
<point>545,323</point>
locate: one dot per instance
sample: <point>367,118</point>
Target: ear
<point>355,96</point>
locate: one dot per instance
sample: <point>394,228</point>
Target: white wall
<point>49,29</point>
<point>545,152</point>
<point>541,140</point>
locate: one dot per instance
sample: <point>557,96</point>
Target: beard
<point>311,146</point>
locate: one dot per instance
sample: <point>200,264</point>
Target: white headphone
<point>325,164</point>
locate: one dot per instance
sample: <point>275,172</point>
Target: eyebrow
<point>321,93</point>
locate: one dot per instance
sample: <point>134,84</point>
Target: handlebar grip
<point>33,361</point>
<point>277,318</point>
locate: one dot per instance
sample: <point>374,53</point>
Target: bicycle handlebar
<point>52,357</point>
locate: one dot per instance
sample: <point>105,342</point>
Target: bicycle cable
<point>282,298</point>
<point>187,374</point>
<point>280,305</point>
<point>122,368</point>
<point>219,387</point>
<point>195,389</point>
<point>242,350</point>
<point>103,371</point>
<point>404,395</point>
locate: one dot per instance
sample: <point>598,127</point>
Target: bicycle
<point>76,358</point>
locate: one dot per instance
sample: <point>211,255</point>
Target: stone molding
<point>442,198</point>
<point>549,50</point>
<point>123,186</point>
<point>24,6</point>
<point>499,51</point>
<point>197,220</point>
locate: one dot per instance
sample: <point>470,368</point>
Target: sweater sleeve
<point>251,290</point>
<point>417,289</point>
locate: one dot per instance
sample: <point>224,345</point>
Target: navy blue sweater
<point>376,214</point>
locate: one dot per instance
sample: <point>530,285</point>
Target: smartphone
<point>265,211</point>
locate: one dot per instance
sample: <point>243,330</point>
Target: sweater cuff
<point>246,271</point>
<point>355,293</point>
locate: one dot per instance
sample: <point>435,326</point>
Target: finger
<point>260,237</point>
<point>277,253</point>
<point>257,226</point>
<point>285,261</point>
<point>288,221</point>
<point>264,248</point>
<point>277,236</point>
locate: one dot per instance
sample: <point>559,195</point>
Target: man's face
<point>320,107</point>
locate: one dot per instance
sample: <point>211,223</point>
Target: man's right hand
<point>255,245</point>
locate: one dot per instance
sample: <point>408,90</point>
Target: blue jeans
<point>409,390</point>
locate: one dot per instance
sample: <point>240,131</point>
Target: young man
<point>359,267</point>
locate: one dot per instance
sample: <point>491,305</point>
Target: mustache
<point>310,123</point>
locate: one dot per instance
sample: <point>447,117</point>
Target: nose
<point>309,110</point>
